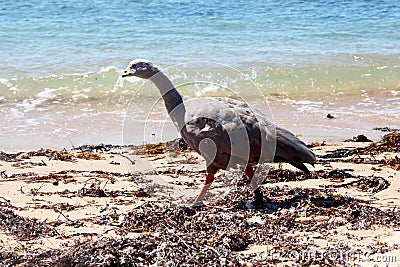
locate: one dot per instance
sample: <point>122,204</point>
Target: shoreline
<point>89,108</point>
<point>132,127</point>
<point>327,131</point>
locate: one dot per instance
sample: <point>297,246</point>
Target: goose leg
<point>203,192</point>
<point>249,171</point>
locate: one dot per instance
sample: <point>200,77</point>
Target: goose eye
<point>133,66</point>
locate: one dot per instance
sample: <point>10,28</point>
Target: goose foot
<point>258,197</point>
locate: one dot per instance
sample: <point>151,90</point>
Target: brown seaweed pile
<point>7,157</point>
<point>165,232</point>
<point>359,138</point>
<point>386,129</point>
<point>160,148</point>
<point>62,155</point>
<point>21,227</point>
<point>174,235</point>
<point>372,183</point>
<point>389,143</point>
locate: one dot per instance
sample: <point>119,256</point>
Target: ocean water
<point>61,60</point>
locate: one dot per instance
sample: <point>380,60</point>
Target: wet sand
<point>126,206</point>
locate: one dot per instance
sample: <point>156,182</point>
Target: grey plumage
<point>290,149</point>
<point>226,132</point>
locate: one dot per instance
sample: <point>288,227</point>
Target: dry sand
<point>119,206</point>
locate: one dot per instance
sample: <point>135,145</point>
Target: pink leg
<point>254,184</point>
<point>249,171</point>
<point>207,184</point>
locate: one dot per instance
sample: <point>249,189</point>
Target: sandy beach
<point>92,172</point>
<point>124,206</point>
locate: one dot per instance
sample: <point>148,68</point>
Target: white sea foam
<point>109,68</point>
<point>5,82</point>
<point>207,89</point>
<point>29,104</point>
<point>47,93</point>
<point>14,90</point>
<point>79,95</point>
<point>131,79</point>
<point>307,102</point>
<point>118,84</point>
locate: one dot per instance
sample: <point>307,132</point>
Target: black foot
<point>258,196</point>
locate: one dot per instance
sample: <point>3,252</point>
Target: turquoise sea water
<point>57,37</point>
<point>60,62</point>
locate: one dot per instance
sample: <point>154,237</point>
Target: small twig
<point>108,179</point>
<point>62,214</point>
<point>133,162</point>
<point>177,171</point>
<point>36,191</point>
<point>73,147</point>
<point>345,184</point>
<point>93,178</point>
<point>5,200</point>
<point>53,229</point>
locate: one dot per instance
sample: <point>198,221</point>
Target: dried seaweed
<point>8,157</point>
<point>389,143</point>
<point>172,234</point>
<point>28,164</point>
<point>370,184</point>
<point>62,155</point>
<point>316,144</point>
<point>394,163</point>
<point>177,235</point>
<point>283,175</point>
<point>21,227</point>
<point>338,153</point>
<point>386,129</point>
<point>177,145</point>
<point>359,138</point>
<point>58,206</point>
<point>97,148</point>
<point>89,156</point>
